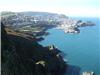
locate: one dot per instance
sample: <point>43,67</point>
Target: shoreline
<point>74,28</point>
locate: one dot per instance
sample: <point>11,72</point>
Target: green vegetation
<point>24,56</point>
<point>32,29</point>
<point>6,14</point>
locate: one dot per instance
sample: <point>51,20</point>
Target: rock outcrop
<point>24,56</point>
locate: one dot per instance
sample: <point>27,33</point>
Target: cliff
<point>21,55</point>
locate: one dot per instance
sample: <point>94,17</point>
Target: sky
<point>68,7</point>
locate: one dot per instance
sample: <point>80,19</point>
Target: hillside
<point>30,13</point>
<point>24,56</point>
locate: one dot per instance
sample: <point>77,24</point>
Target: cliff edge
<point>21,55</point>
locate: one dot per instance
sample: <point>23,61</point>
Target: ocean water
<point>82,50</point>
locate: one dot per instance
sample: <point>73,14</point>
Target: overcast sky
<point>67,7</point>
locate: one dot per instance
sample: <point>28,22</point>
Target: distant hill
<point>30,13</point>
<point>30,18</point>
<point>7,13</point>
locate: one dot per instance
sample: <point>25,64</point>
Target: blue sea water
<point>81,49</point>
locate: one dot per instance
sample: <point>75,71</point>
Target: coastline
<point>79,46</point>
<point>27,53</point>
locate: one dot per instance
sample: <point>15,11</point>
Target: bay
<point>81,49</point>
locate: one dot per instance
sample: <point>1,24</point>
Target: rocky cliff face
<point>23,56</point>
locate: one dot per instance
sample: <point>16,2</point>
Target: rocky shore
<point>72,26</point>
<point>21,55</point>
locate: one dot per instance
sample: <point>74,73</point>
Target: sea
<point>81,50</point>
